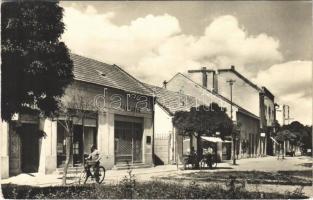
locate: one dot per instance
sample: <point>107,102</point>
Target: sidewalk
<point>112,176</point>
<point>145,174</point>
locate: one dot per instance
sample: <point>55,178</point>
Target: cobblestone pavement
<point>114,176</point>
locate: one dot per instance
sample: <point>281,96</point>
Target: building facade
<point>247,144</point>
<point>115,113</point>
<point>170,143</point>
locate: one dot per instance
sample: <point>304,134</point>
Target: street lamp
<point>231,83</point>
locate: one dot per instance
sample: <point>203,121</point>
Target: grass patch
<point>302,178</point>
<point>147,190</point>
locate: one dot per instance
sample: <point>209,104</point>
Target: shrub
<point>145,190</point>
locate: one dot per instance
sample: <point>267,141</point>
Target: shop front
<point>84,136</point>
<point>128,140</point>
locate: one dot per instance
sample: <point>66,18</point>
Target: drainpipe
<point>153,130</point>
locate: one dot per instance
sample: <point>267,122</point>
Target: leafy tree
<point>203,120</point>
<point>36,66</point>
<point>75,105</point>
<point>303,134</point>
<point>284,135</point>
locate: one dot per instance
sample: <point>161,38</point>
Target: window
<point>148,141</point>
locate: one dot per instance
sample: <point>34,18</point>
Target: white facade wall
<point>269,111</point>
<point>183,84</point>
<point>4,149</point>
<point>163,122</point>
<point>243,94</point>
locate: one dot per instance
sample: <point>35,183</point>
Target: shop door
<point>137,144</point>
<point>128,142</point>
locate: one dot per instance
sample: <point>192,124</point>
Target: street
<point>263,164</point>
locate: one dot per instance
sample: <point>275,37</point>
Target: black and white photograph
<point>156,99</point>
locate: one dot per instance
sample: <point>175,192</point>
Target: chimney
<point>232,67</point>
<point>164,84</point>
<point>215,81</point>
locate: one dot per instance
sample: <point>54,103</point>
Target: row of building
<point>131,122</point>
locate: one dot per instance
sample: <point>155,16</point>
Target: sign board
<point>262,134</point>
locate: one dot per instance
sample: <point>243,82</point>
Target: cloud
<point>292,77</point>
<point>291,83</point>
<point>154,48</point>
<point>94,35</point>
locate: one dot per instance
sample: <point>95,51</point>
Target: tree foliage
<point>302,134</point>
<point>36,66</point>
<point>204,120</point>
<point>296,133</point>
<point>284,135</point>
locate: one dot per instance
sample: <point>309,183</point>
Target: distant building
<point>256,100</point>
<point>247,144</point>
<point>170,145</point>
<point>119,121</point>
<point>268,116</point>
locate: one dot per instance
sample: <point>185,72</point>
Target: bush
<point>146,190</point>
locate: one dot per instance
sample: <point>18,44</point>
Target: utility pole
<point>231,83</point>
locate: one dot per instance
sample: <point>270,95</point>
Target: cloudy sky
<point>268,42</point>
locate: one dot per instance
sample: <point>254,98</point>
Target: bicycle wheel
<point>83,177</point>
<point>101,174</point>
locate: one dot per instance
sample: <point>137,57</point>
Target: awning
<point>274,140</point>
<point>212,139</point>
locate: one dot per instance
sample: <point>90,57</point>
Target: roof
<point>93,71</point>
<point>232,69</point>
<point>173,101</point>
<point>240,109</point>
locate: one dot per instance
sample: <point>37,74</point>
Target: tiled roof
<point>93,71</point>
<point>173,101</point>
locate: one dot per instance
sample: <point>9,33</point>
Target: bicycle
<point>84,174</point>
<point>210,161</point>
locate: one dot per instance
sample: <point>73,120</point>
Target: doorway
<point>128,142</point>
<point>29,148</point>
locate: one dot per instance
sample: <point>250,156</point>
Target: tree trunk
<point>199,150</point>
<point>68,155</point>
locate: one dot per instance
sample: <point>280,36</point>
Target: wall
<point>269,109</point>
<point>183,84</point>
<point>110,102</point>
<point>243,94</point>
<point>163,121</point>
<point>164,146</point>
<point>4,149</point>
<point>48,155</point>
<point>249,126</point>
<point>102,98</point>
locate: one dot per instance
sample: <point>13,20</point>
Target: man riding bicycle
<point>93,161</point>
